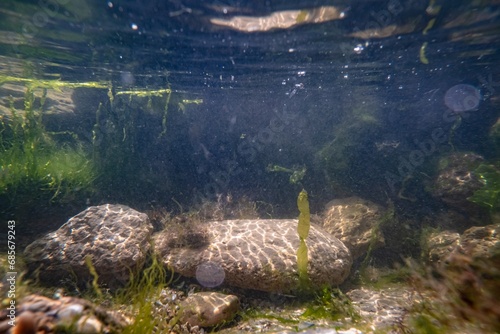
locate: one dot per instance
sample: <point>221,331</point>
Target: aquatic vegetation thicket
<point>144,288</point>
<point>35,168</point>
<point>121,157</point>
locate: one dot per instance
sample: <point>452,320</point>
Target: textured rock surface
<point>38,314</point>
<point>355,222</point>
<point>481,241</point>
<point>261,254</point>
<point>115,237</point>
<point>440,245</point>
<point>207,309</point>
<point>476,242</point>
<point>456,181</point>
<point>385,308</point>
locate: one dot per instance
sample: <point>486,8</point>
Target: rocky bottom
<point>185,309</point>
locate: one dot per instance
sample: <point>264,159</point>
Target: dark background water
<point>349,106</point>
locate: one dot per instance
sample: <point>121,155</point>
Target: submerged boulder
<point>440,244</point>
<point>481,242</point>
<point>257,254</point>
<point>456,180</point>
<point>114,238</point>
<point>355,222</point>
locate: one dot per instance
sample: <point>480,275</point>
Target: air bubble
<point>210,274</point>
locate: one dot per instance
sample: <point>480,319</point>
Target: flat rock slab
<point>383,309</point>
<point>259,254</point>
<point>115,237</point>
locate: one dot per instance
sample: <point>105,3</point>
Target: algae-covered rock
<point>481,242</point>
<point>456,181</point>
<point>260,254</point>
<point>439,245</point>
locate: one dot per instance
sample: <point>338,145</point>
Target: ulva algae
<point>303,231</point>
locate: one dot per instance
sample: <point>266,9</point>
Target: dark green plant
<point>143,289</point>
<point>489,194</point>
<point>297,173</point>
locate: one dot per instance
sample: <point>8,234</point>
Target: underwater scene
<point>235,166</point>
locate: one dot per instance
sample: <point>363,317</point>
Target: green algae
<point>489,194</point>
<point>331,304</point>
<point>303,231</point>
<point>35,168</point>
<point>57,85</point>
<point>297,173</point>
<point>144,288</point>
<point>95,276</point>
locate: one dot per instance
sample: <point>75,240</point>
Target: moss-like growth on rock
<point>489,194</point>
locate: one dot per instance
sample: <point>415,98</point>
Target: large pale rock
<point>115,238</point>
<point>355,222</point>
<point>259,254</point>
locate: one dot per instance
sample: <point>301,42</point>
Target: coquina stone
<point>259,254</point>
<point>115,238</point>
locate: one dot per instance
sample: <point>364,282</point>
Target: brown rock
<point>207,309</point>
<point>456,181</point>
<point>115,238</point>
<point>481,241</point>
<point>441,244</point>
<point>38,314</point>
<point>355,222</point>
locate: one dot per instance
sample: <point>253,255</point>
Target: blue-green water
<point>354,93</point>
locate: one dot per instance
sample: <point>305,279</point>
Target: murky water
<point>346,91</point>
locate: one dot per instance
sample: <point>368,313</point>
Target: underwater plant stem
<point>303,231</point>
